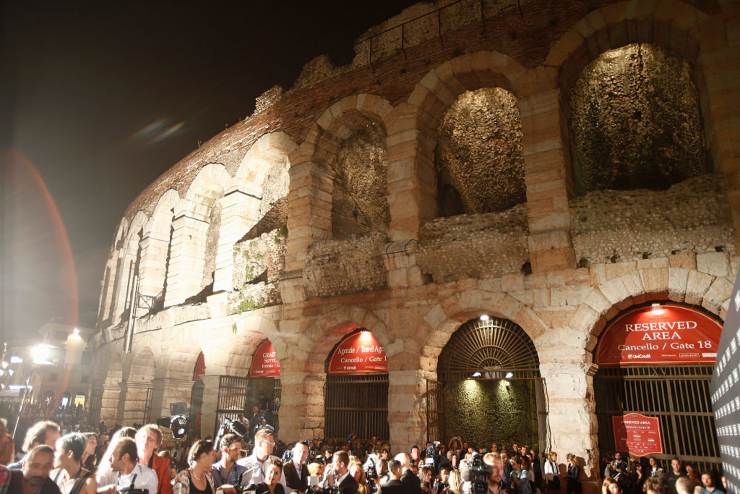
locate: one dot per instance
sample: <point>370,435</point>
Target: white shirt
<point>256,472</point>
<point>341,479</point>
<point>145,478</point>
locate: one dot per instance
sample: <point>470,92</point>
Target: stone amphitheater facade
<point>322,212</point>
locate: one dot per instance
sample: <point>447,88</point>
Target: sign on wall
<point>725,388</point>
<point>264,361</point>
<point>358,353</point>
<point>637,434</point>
<point>661,334</point>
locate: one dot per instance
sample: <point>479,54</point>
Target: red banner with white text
<point>637,434</point>
<point>264,361</point>
<point>660,334</point>
<point>358,353</point>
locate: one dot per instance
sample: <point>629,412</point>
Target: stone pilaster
<point>153,265</point>
<point>406,413</point>
<point>185,273</point>
<point>239,212</point>
<point>301,404</point>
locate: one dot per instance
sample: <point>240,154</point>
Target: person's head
<point>605,485</point>
<point>125,455</point>
<point>618,456</point>
<point>675,464</point>
<point>340,462</point>
<point>652,461</point>
<point>553,456</point>
<point>201,454</point>
<point>415,453</point>
<point>655,485</point>
<point>92,442</point>
<point>148,438</point>
<point>690,471</point>
<point>495,474</point>
<point>525,462</point>
<point>395,467</point>
<point>404,459</point>
<point>37,465</point>
<point>355,470</point>
<point>274,472</point>
<point>707,480</point>
<point>426,473</point>
<point>45,432</point>
<point>264,443</point>
<point>230,446</point>
<point>444,474</point>
<point>300,452</point>
<point>614,488</point>
<point>684,485</point>
<point>69,449</point>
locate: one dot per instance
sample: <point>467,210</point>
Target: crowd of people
<point>253,461</point>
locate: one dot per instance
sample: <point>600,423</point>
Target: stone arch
<point>413,125</point>
<point>673,26</point>
<point>156,244</point>
<point>606,300</point>
<point>210,183</point>
<point>128,263</point>
<point>446,318</point>
<point>268,152</point>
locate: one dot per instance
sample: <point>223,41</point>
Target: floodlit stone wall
<point>332,212</point>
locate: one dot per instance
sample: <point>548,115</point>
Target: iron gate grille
<point>431,400</point>
<point>232,398</point>
<point>678,396</point>
<point>96,403</point>
<point>356,405</point>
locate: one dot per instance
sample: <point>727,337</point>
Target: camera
<point>230,426</point>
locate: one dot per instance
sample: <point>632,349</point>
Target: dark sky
<point>100,98</point>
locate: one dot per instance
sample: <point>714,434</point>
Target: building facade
<point>484,190</point>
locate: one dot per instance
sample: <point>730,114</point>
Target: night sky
<point>98,99</point>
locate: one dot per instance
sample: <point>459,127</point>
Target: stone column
<point>239,212</point>
<point>185,272</point>
<point>301,404</point>
<point>550,245</point>
<point>123,285</point>
<point>153,265</point>
<point>210,404</point>
<point>406,413</point>
<point>109,403</point>
<point>571,412</point>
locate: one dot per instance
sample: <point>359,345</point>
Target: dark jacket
<point>16,484</point>
<point>411,482</point>
<point>348,485</point>
<point>296,480</point>
<point>393,487</point>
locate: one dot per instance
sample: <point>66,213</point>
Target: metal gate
<point>356,404</point>
<point>431,401</point>
<point>679,396</point>
<point>232,398</point>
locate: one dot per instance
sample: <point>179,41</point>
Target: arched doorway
<point>490,387</point>
<point>263,387</point>
<point>196,396</point>
<point>655,364</point>
<point>356,393</point>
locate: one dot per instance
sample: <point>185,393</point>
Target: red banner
<point>358,353</point>
<point>664,334</point>
<point>264,361</point>
<point>637,434</point>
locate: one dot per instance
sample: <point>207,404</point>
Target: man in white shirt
<point>258,463</point>
<point>129,472</point>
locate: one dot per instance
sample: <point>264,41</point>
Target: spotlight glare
<point>509,375</point>
<point>476,374</point>
<point>485,317</point>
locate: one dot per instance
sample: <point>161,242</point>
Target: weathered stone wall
<point>479,155</point>
<point>336,267</point>
<point>474,245</point>
<point>617,226</point>
<point>635,121</point>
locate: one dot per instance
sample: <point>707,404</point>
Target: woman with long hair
<point>196,479</point>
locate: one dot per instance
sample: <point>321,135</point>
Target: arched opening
<point>635,121</point>
<point>196,396</point>
<point>263,386</point>
<point>490,387</point>
<point>356,392</point>
<point>655,364</point>
<point>479,161</point>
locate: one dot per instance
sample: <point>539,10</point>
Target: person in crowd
<point>226,472</point>
<point>521,476</point>
<point>455,482</point>
<point>552,473</point>
<point>654,469</point>
<point>673,474</point>
<point>693,475</point>
<point>655,484</point>
<point>7,447</point>
<point>148,440</point>
<point>640,476</point>
<point>684,485</point>
<point>394,485</point>
<point>495,484</point>
<point>130,473</point>
<point>105,475</point>
<point>33,476</point>
<point>708,486</point>
<point>70,475</point>
<point>272,483</point>
<point>573,475</point>
<point>257,464</point>
<point>296,471</point>
<point>89,458</point>
<point>45,432</point>
<point>197,479</point>
<point>442,482</point>
<point>605,485</point>
<point>614,487</point>
<point>410,481</point>
<point>339,478</point>
<point>427,479</point>
<point>356,471</point>
<point>415,454</point>
<point>614,466</point>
